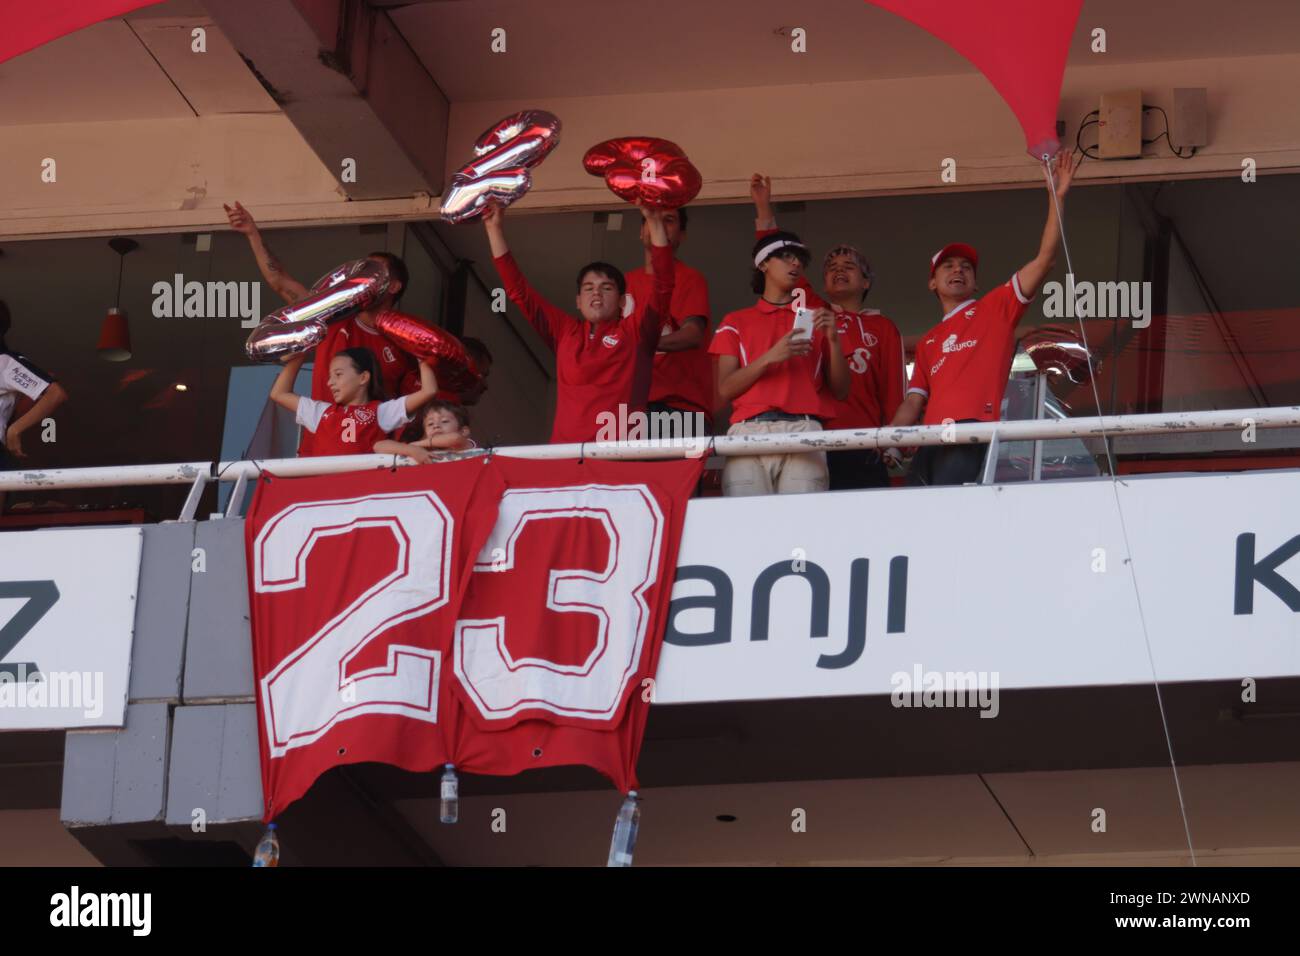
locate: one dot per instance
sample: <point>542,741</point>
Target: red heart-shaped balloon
<point>645,169</point>
<point>444,352</point>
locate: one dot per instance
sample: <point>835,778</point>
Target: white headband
<point>773,246</point>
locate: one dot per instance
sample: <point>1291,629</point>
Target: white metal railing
<point>199,473</point>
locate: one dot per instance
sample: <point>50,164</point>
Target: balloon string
<point>1119,509</point>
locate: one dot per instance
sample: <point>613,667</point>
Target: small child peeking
<point>446,428</point>
<point>359,419</point>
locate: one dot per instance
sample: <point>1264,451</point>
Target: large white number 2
<point>501,685</point>
<point>312,689</point>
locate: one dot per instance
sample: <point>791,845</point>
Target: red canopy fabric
<point>1019,45</point>
<point>31,23</point>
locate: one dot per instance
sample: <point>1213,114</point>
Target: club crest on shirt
<point>869,340</point>
<point>389,356</point>
<point>611,341</point>
<point>361,414</point>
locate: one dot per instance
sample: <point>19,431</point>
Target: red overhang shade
<point>1019,45</point>
<point>32,23</point>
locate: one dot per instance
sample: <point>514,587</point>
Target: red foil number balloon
<point>505,153</point>
<point>645,169</point>
<point>444,352</point>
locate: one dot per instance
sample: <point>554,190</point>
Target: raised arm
<point>760,190</point>
<point>664,273</point>
<point>289,288</point>
<point>541,315</point>
<point>1034,272</point>
<point>428,389</point>
<point>282,392</point>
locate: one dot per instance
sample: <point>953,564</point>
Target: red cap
<point>955,249</point>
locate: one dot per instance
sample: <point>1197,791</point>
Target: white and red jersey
<point>962,364</point>
<point>796,386</point>
<point>18,378</point>
<point>397,369</point>
<point>349,429</point>
<point>682,379</point>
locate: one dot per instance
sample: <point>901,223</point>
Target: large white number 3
<point>502,686</point>
<point>312,689</point>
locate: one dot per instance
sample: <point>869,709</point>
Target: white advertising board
<point>67,618</point>
<point>1031,584</point>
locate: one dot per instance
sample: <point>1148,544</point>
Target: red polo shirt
<point>598,366</point>
<point>962,363</point>
<point>682,379</point>
<point>796,386</point>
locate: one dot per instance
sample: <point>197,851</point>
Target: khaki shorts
<point>781,474</point>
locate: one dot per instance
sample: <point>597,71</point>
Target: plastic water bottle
<point>268,850</point>
<point>625,827</point>
<point>449,804</point>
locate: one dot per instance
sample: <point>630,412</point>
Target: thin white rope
<point>1119,509</point>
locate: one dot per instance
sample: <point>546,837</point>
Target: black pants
<point>948,464</point>
<point>856,468</point>
<point>682,424</point>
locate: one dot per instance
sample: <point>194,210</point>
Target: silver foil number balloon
<point>301,325</point>
<point>504,155</point>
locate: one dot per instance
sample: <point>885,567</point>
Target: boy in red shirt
<point>397,369</point>
<point>603,358</point>
<point>961,365</point>
<point>682,382</point>
<point>777,377</point>
<point>870,342</point>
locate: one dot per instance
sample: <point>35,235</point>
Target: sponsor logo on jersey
<point>950,344</point>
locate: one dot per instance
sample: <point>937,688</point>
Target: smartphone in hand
<point>803,323</point>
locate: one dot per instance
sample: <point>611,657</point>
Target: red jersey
<point>682,379</point>
<point>874,351</point>
<point>397,369</point>
<point>598,366</point>
<point>796,386</point>
<point>349,429</point>
<point>877,363</point>
<point>962,363</point>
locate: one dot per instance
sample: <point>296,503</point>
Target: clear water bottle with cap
<point>625,827</point>
<point>449,793</point>
<point>268,850</point>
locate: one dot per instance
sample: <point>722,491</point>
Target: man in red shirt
<point>603,358</point>
<point>778,377</point>
<point>398,370</point>
<point>682,383</point>
<point>961,365</point>
<point>869,340</point>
